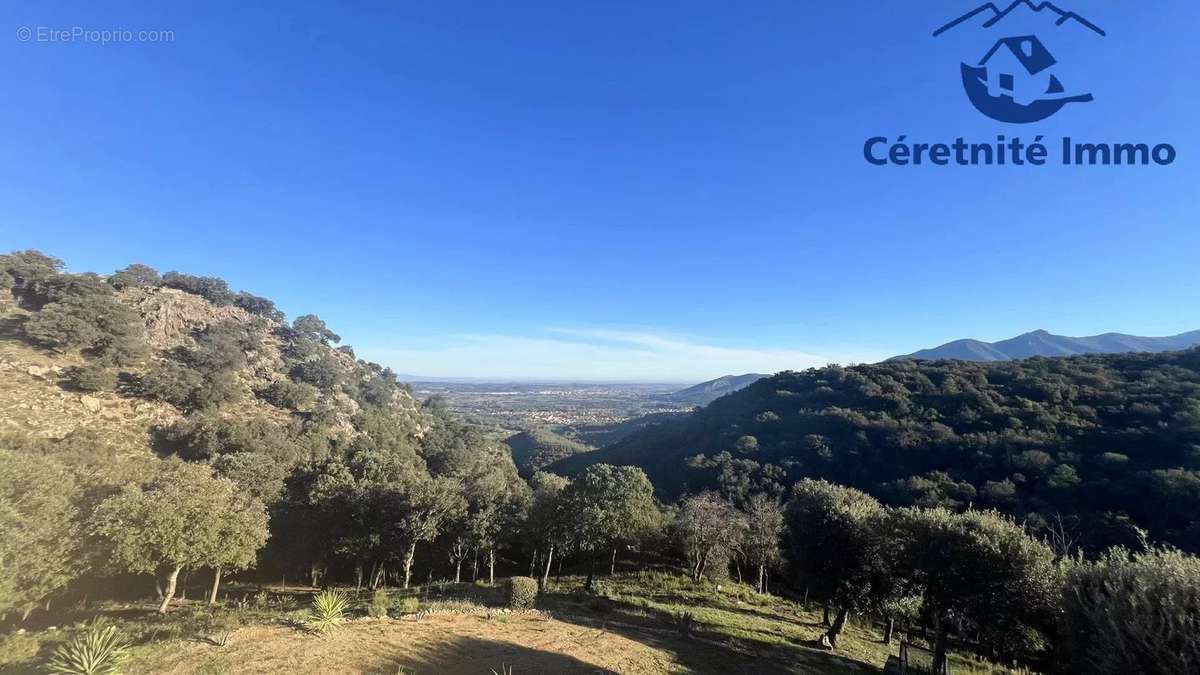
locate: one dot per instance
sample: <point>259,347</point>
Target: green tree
<point>311,327</point>
<point>181,517</point>
<point>837,548</point>
<point>28,275</point>
<point>547,525</point>
<point>41,534</point>
<point>606,505</point>
<point>135,276</point>
<point>421,508</point>
<point>99,323</point>
<point>978,570</point>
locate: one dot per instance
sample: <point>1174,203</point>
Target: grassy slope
<point>627,627</point>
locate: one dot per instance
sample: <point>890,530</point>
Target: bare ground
<point>452,644</point>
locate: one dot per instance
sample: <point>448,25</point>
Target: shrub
<point>521,592</point>
<point>379,604</point>
<point>289,395</point>
<point>406,605</point>
<point>1129,613</point>
<point>99,323</point>
<point>213,289</point>
<point>328,611</point>
<point>99,651</point>
<point>93,377</point>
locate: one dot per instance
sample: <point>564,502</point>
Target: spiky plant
<point>328,611</point>
<point>100,651</point>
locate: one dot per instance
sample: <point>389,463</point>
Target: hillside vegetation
<point>537,448</point>
<point>165,436</point>
<point>1101,450</point>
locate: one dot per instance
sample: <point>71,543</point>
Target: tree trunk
<point>492,566</point>
<point>533,562</point>
<point>825,618</point>
<point>187,575</point>
<point>612,569</point>
<point>738,567</point>
<point>835,631</point>
<point>558,570</point>
<point>170,590</point>
<point>212,597</point>
<point>889,630</point>
<point>408,561</point>
<point>591,571</point>
<point>762,578</point>
<point>358,571</point>
<point>939,647</point>
<point>458,570</point>
<point>549,559</point>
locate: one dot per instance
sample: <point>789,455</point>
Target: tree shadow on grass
<point>705,650</point>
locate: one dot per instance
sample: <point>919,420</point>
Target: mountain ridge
<point>707,392</point>
<point>1043,343</point>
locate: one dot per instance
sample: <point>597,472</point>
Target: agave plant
<point>100,651</point>
<point>328,611</point>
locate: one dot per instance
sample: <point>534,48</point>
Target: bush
<point>521,592</point>
<point>379,604</point>
<point>1136,613</point>
<point>406,605</point>
<point>100,651</point>
<point>93,377</point>
<point>99,323</point>
<point>328,611</point>
<point>213,289</point>
<point>187,389</point>
<point>289,395</point>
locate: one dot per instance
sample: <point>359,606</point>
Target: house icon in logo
<point>1015,81</point>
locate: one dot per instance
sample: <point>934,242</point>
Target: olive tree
<point>978,570</point>
<point>837,549</point>
<point>181,517</point>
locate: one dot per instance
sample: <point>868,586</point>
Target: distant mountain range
<point>707,392</point>
<point>1042,343</point>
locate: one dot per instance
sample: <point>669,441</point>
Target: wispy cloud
<point>594,354</point>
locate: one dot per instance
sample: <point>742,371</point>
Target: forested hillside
<point>111,381</point>
<point>1093,447</point>
<point>537,448</point>
<point>159,429</point>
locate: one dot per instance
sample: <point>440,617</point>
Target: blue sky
<point>601,190</point>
